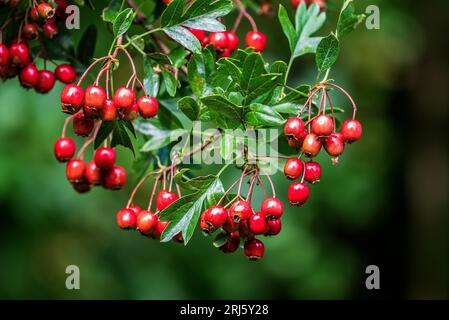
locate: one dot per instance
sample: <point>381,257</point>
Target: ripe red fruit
<point>257,223</point>
<point>165,198</point>
<point>72,97</point>
<point>244,231</point>
<point>19,54</point>
<point>159,229</point>
<point>351,130</point>
<point>30,31</point>
<point>61,6</point>
<point>34,15</point>
<point>75,170</point>
<point>233,41</point>
<point>126,219</point>
<point>230,225</point>
<point>146,222</point>
<point>109,112</point>
<point>29,76</point>
<point>65,73</point>
<point>294,130</point>
<point>215,217</point>
<point>124,98</point>
<point>104,158</point>
<point>334,144</point>
<point>64,149</point>
<point>256,40</point>
<point>240,210</point>
<point>298,193</point>
<point>132,113</point>
<point>82,126</point>
<point>232,243</point>
<point>274,227</point>
<point>225,53</point>
<point>199,34</point>
<point>92,173</point>
<point>114,178</point>
<point>272,208</point>
<point>219,40</point>
<point>4,55</point>
<point>45,82</point>
<point>254,249</point>
<point>50,29</point>
<point>311,145</point>
<point>293,168</point>
<point>148,106</point>
<point>81,186</point>
<point>323,125</point>
<point>94,97</point>
<point>45,11</point>
<point>312,172</point>
<point>136,209</point>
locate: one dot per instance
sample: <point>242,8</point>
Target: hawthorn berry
<point>274,227</point>
<point>257,223</point>
<point>34,15</point>
<point>65,73</point>
<point>136,209</point>
<point>75,170</point>
<point>219,40</point>
<point>225,53</point>
<point>132,113</point>
<point>4,55</point>
<point>146,222</point>
<point>29,76</point>
<point>104,158</point>
<point>233,41</point>
<point>294,130</point>
<point>19,54</point>
<point>124,98</point>
<point>256,40</point>
<point>351,130</point>
<point>165,198</point>
<point>159,229</point>
<point>298,193</point>
<point>323,125</point>
<point>293,168</point>
<point>232,243</point>
<point>311,145</point>
<point>45,11</point>
<point>254,249</point>
<point>61,6</point>
<point>50,29</point>
<point>334,144</point>
<point>94,97</point>
<point>272,208</point>
<point>109,112</point>
<point>148,106</point>
<point>114,178</point>
<point>82,126</point>
<point>312,172</point>
<point>64,149</point>
<point>126,219</point>
<point>230,225</point>
<point>72,97</point>
<point>93,173</point>
<point>214,217</point>
<point>45,82</point>
<point>30,31</point>
<point>81,186</point>
<point>199,34</point>
<point>240,210</point>
<point>244,231</point>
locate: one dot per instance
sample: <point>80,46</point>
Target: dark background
<point>385,203</point>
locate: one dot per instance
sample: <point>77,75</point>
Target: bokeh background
<point>385,203</point>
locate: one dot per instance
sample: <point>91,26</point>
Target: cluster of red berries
<point>320,3</point>
<point>16,60</point>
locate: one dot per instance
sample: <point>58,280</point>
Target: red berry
<point>214,217</point>
<point>34,15</point>
<point>351,130</point>
<point>124,98</point>
<point>159,229</point>
<point>75,170</point>
<point>72,98</point>
<point>323,125</point>
<point>244,231</point>
<point>165,198</point>
<point>65,73</point>
<point>274,227</point>
<point>136,209</point>
<point>256,40</point>
<point>64,149</point>
<point>114,178</point>
<point>312,172</point>
<point>219,40</point>
<point>104,158</point>
<point>82,126</point>
<point>132,113</point>
<point>233,41</point>
<point>254,249</point>
<point>93,173</point>
<point>146,222</point>
<point>199,34</point>
<point>29,76</point>
<point>45,11</point>
<point>225,53</point>
<point>4,55</point>
<point>30,31</point>
<point>294,131</point>
<point>148,106</point>
<point>293,168</point>
<point>61,6</point>
<point>272,208</point>
<point>45,82</point>
<point>298,193</point>
<point>50,29</point>
<point>232,243</point>
<point>311,145</point>
<point>94,97</point>
<point>257,223</point>
<point>19,54</point>
<point>109,112</point>
<point>334,144</point>
<point>240,210</point>
<point>81,186</point>
<point>126,219</point>
<point>230,225</point>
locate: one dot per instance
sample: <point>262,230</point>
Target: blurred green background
<point>385,203</point>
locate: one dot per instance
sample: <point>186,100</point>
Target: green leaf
<point>253,67</point>
<point>262,85</point>
<point>104,132</point>
<point>159,58</point>
<point>287,27</point>
<point>299,94</point>
<point>151,80</point>
<point>121,136</point>
<point>158,138</point>
<point>177,57</point>
<point>327,52</point>
<point>348,20</point>
<point>171,83</point>
<point>190,107</point>
<point>86,46</point>
<point>168,114</point>
<point>230,68</point>
<point>287,107</point>
<point>123,22</point>
<point>263,116</point>
<point>220,239</point>
<point>184,37</point>
<point>225,108</point>
<point>206,24</point>
<point>200,67</point>
<point>208,9</point>
<point>173,13</point>
<point>111,11</point>
<point>279,67</point>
